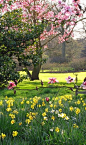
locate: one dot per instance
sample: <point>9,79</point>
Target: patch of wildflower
<point>46,109</point>
<point>57,129</point>
<point>75,125</point>
<point>20,123</point>
<point>55,114</point>
<point>2,135</point>
<point>43,123</point>
<point>43,103</point>
<point>12,121</point>
<point>27,102</point>
<point>44,114</point>
<point>15,133</point>
<point>1,103</point>
<point>77,111</point>
<point>71,108</point>
<point>15,111</point>
<point>60,110</point>
<point>12,116</point>
<point>53,118</point>
<point>78,102</point>
<point>8,109</point>
<point>62,115</point>
<point>39,105</point>
<point>45,118</point>
<point>27,121</point>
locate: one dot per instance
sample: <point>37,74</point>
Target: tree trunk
<point>63,51</point>
<point>35,72</point>
<point>63,47</point>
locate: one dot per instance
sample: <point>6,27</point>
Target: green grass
<point>62,126</point>
<point>30,85</point>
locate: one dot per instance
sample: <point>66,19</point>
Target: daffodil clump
<point>58,119</point>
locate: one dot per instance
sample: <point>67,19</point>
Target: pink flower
<point>59,2</point>
<point>47,99</point>
<point>11,85</point>
<point>52,80</point>
<point>69,79</point>
<point>83,85</point>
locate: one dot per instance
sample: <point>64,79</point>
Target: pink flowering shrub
<point>52,80</point>
<point>11,85</point>
<point>83,85</point>
<point>69,79</point>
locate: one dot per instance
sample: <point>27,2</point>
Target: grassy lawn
<point>30,85</point>
<point>47,116</point>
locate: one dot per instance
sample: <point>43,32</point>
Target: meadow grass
<point>27,118</point>
<point>30,85</point>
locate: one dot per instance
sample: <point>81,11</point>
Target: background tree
<point>55,17</point>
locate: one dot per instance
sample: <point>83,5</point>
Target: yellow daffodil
<point>39,105</point>
<point>71,108</point>
<point>15,111</point>
<point>60,110</point>
<point>57,129</point>
<point>77,111</point>
<point>27,121</point>
<point>75,125</point>
<point>32,106</point>
<point>27,102</point>
<point>44,114</point>
<point>15,133</point>
<point>43,103</point>
<point>43,123</point>
<point>46,109</point>
<point>51,105</point>
<point>45,118</point>
<point>12,121</point>
<point>20,123</point>
<point>2,135</point>
<point>66,118</point>
<point>1,103</point>
<point>9,109</point>
<point>53,118</point>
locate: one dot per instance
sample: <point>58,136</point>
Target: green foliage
<point>15,37</point>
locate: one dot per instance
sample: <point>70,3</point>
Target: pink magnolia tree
<point>39,12</point>
<point>56,16</point>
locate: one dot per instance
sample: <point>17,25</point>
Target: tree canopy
<point>23,32</point>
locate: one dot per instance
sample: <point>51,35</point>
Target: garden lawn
<point>47,116</point>
<point>28,88</point>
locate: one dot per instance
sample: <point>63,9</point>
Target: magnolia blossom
<point>11,85</point>
<point>66,13</point>
<point>52,80</point>
<point>69,79</point>
<point>83,85</point>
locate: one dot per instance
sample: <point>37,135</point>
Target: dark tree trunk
<point>63,47</point>
<point>35,72</point>
<point>63,51</point>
